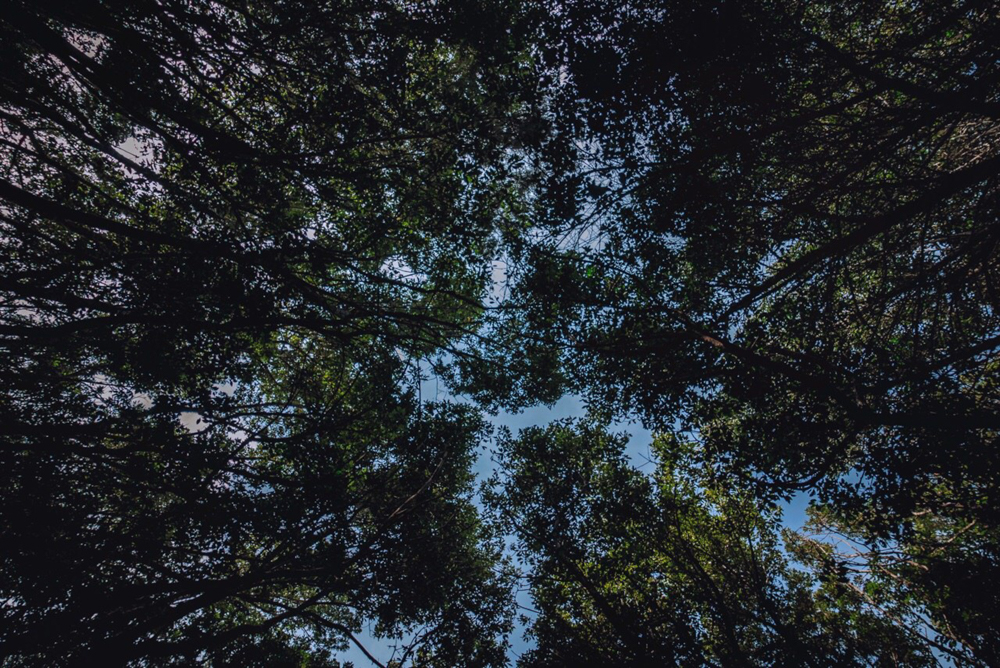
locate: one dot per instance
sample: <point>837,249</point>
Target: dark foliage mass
<point>230,231</point>
<point>234,236</point>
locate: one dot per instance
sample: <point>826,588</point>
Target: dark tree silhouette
<point>235,234</point>
<point>778,239</point>
<point>231,232</point>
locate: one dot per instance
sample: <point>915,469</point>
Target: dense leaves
<point>660,569</point>
<point>230,235</point>
<point>235,235</point>
<point>782,247</point>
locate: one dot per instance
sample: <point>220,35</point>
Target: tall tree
<point>665,568</point>
<point>231,232</point>
<point>780,240</point>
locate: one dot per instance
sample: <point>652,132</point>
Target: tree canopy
<point>778,242</point>
<point>231,233</point>
<point>629,568</point>
<point>236,235</point>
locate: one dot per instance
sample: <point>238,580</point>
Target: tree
<point>779,241</point>
<point>234,235</point>
<point>665,569</point>
<point>927,586</point>
<point>230,235</point>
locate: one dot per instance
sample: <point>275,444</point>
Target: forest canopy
<point>238,237</point>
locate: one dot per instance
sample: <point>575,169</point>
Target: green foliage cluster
<point>781,247</point>
<point>234,235</point>
<point>231,232</point>
<point>665,567</point>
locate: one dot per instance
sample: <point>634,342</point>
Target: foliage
<point>665,569</point>
<point>779,240</point>
<point>231,232</point>
<point>234,235</point>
